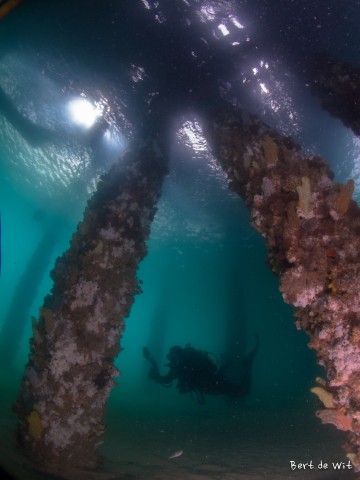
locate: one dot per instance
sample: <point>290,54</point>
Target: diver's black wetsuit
<point>196,373</point>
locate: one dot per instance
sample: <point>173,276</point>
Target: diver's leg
<point>250,357</point>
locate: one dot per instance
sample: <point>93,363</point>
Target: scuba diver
<point>197,374</point>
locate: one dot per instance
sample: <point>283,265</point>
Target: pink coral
<point>335,417</point>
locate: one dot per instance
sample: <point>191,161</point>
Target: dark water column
<point>337,84</point>
<point>235,322</point>
<point>18,314</point>
<point>159,327</point>
<point>76,339</point>
<point>312,229</point>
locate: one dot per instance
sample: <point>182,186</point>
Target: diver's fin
<point>250,357</point>
<point>256,348</point>
<point>199,396</point>
<point>247,368</point>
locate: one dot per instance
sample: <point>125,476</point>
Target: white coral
<point>307,296</point>
<point>65,355</point>
<point>109,233</point>
<point>268,187</point>
<point>84,294</point>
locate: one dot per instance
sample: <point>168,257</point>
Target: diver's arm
<point>164,380</point>
<point>154,373</point>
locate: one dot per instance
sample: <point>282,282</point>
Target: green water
<point>205,267</point>
<point>205,280</point>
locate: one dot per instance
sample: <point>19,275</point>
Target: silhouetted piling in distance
<point>236,317</point>
<point>158,327</point>
<point>18,314</point>
<point>235,324</point>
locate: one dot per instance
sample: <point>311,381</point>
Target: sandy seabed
<point>218,442</point>
<point>235,444</point>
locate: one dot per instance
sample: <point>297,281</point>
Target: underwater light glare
<point>263,88</point>
<point>115,139</point>
<point>223,29</point>
<point>83,113</point>
<point>192,135</point>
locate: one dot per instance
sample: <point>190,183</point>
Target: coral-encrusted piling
<point>312,229</point>
<point>77,337</point>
